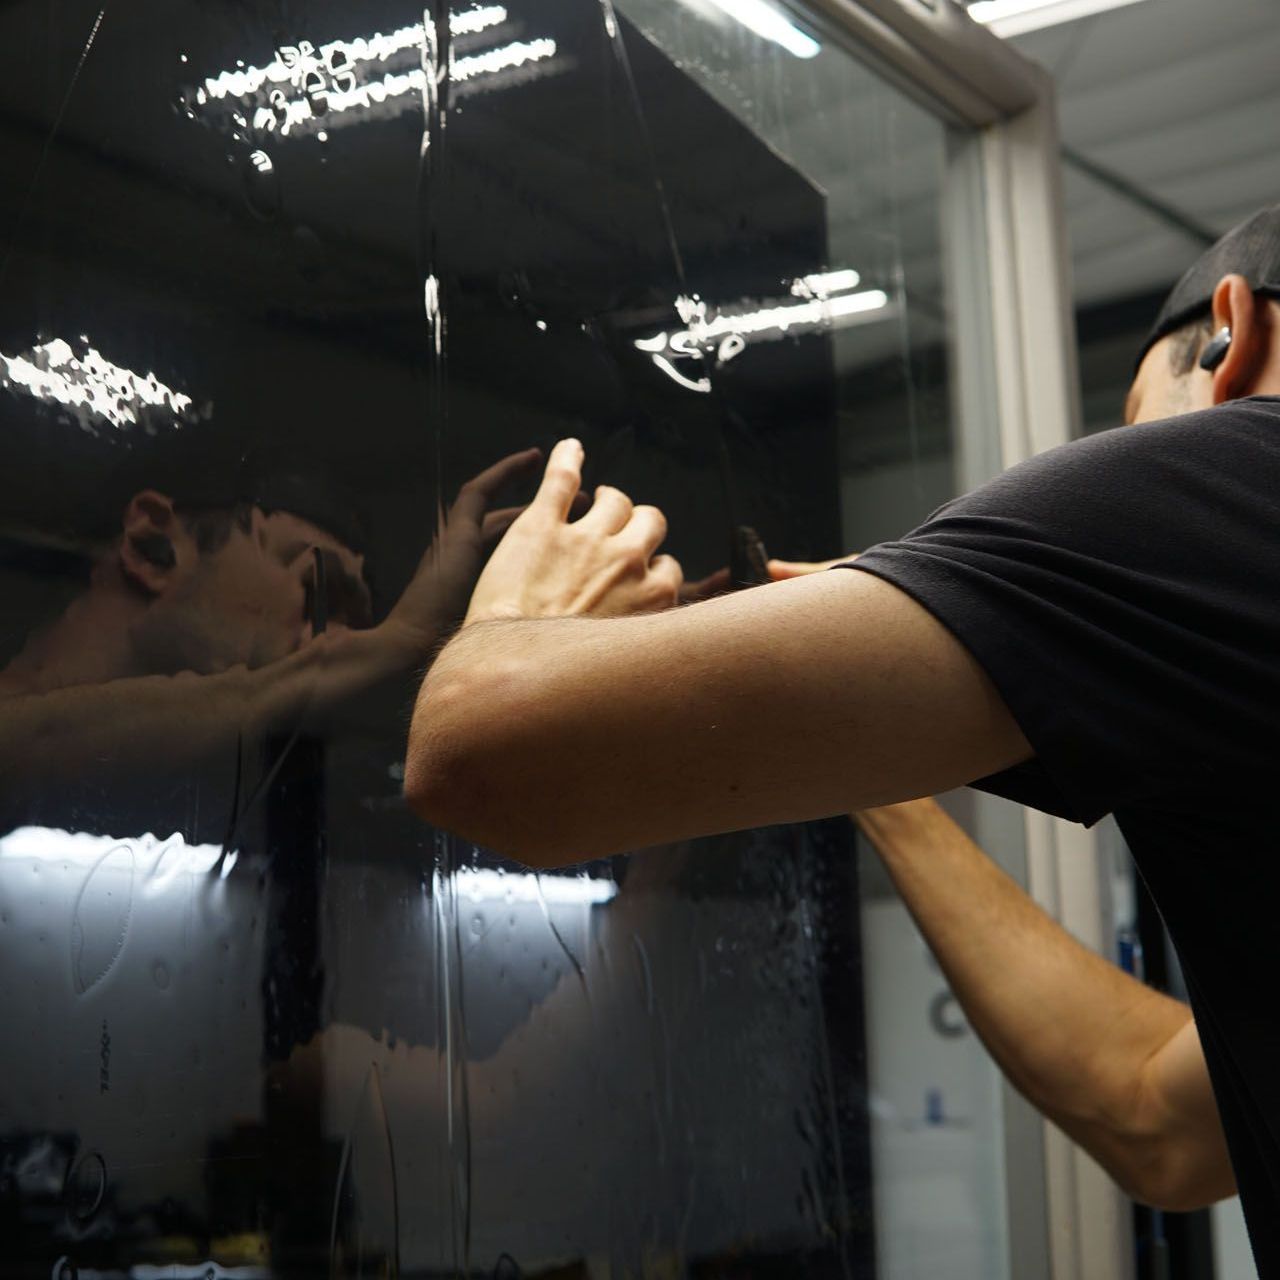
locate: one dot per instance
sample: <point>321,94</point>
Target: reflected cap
<point>1252,250</point>
<point>199,469</point>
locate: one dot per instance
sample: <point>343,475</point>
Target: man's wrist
<point>497,612</point>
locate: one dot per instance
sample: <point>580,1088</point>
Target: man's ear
<point>1237,308</point>
<point>149,551</point>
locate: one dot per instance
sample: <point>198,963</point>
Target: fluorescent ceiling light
<point>765,21</point>
<point>1017,17</point>
<point>88,385</point>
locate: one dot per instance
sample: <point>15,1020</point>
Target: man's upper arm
<point>558,741</point>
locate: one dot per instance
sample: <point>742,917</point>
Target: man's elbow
<point>439,776</point>
<point>1176,1176</point>
<point>472,763</point>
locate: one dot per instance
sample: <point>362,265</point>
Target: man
<point>1094,631</point>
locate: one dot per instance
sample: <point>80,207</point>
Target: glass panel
<point>906,443</point>
<point>276,280</point>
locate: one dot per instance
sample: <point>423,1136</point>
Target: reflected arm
<point>167,724</point>
<point>562,739</point>
<point>1115,1064</point>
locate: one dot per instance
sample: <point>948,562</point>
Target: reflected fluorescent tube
<point>1017,17</point>
<point>472,21</point>
<point>767,323</point>
<point>501,59</point>
<point>88,385</point>
<point>338,57</point>
<point>485,884</point>
<point>365,98</point>
<point>160,862</point>
<point>725,337</point>
<point>307,88</point>
<point>827,282</point>
<point>781,319</point>
<point>162,858</point>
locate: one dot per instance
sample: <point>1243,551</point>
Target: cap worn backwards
<point>1252,250</point>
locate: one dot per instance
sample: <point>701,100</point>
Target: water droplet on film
<point>262,185</point>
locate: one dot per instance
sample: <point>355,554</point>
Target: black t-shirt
<point>1123,594</point>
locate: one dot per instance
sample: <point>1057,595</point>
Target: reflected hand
<point>604,564</point>
<point>781,570</point>
<point>438,593</point>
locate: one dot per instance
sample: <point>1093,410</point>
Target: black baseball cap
<point>1251,250</point>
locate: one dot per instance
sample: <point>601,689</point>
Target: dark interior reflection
<point>268,299</point>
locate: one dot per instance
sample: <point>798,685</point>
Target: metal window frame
<point>1066,1219</point>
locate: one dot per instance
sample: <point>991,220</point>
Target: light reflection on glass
<point>481,884</point>
<point>761,324</point>
<point>306,88</point>
<point>166,858</point>
<point>826,283</point>
<point>89,385</point>
<point>294,63</point>
<point>700,385</point>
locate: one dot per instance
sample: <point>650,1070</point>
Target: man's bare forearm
<point>1082,1040</point>
<point>563,738</point>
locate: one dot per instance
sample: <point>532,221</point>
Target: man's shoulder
<point>1187,453</point>
<point>1255,420</point>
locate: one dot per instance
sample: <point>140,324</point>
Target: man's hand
<point>604,564</point>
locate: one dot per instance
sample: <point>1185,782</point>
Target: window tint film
<point>277,280</point>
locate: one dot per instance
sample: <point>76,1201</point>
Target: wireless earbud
<point>1216,350</point>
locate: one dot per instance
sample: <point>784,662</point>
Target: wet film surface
<point>275,280</point>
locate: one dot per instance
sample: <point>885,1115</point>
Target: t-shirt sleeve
<point>1119,592</point>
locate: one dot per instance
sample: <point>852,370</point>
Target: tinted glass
<point>278,279</point>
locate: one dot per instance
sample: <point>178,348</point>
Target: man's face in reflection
<point>233,588</point>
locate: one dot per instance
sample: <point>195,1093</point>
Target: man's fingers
<point>667,575</point>
<point>648,527</point>
<point>611,511</point>
<point>561,481</point>
<point>474,496</point>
